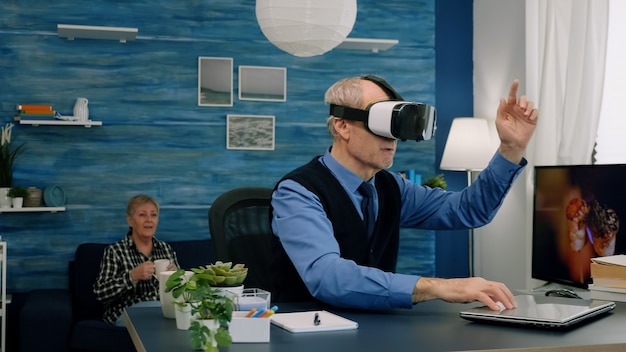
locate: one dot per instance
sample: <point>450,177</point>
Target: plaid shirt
<point>114,287</point>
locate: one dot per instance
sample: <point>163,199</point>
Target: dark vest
<point>379,251</point>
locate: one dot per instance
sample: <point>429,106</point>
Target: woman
<point>127,273</point>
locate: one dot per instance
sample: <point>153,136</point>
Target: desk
<point>429,326</point>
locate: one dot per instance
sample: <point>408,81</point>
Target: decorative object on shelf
<point>8,155</point>
<point>306,28</point>
<point>71,31</point>
<point>54,196</point>
<point>34,197</point>
<point>5,200</point>
<point>81,110</point>
<point>17,194</point>
<point>436,181</point>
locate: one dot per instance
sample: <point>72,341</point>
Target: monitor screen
<point>576,216</point>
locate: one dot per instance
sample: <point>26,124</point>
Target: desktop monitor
<point>579,213</point>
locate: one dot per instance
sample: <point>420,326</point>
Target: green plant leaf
<point>223,338</point>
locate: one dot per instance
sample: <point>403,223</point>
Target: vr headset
<point>393,118</point>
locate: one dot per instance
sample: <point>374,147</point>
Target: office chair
<point>240,229</point>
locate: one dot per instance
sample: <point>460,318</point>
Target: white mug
<point>161,265</point>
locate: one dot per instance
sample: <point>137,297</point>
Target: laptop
<point>542,311</point>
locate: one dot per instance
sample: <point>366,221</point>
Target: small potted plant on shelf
<point>17,194</point>
<point>436,181</point>
<point>8,155</point>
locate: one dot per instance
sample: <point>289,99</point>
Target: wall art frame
<point>263,83</point>
<point>250,132</point>
<point>215,81</point>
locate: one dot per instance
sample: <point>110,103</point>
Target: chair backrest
<point>240,230</point>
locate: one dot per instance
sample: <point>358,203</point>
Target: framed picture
<point>252,132</point>
<point>215,81</point>
<point>262,83</point>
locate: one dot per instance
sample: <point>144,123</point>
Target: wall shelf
<point>375,45</point>
<point>32,210</point>
<point>87,123</point>
<point>71,31</point>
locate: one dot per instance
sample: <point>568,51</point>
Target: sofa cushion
<point>83,271</point>
<point>96,335</point>
<point>45,321</point>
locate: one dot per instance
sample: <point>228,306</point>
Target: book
<point>35,109</point>
<point>613,266</point>
<point>609,282</point>
<point>607,293</point>
<point>33,117</point>
<point>312,321</point>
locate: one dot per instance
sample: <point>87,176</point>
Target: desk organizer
<point>252,298</point>
<point>244,329</point>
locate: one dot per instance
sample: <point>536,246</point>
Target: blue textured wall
<point>155,139</point>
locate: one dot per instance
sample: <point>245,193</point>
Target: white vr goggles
<point>394,118</point>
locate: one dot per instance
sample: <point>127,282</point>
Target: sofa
<point>71,319</point>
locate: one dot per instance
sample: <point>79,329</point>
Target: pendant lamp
<point>306,27</point>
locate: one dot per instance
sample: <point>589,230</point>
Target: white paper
<point>619,260</point>
<point>304,321</point>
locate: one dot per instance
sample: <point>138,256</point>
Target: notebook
<point>542,311</point>
<point>312,321</point>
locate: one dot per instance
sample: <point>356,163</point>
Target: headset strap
<point>348,113</point>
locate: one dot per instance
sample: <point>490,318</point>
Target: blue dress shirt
<point>306,233</point>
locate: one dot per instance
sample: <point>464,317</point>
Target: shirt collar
<point>349,180</point>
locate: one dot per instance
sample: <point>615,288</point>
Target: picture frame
<point>263,83</point>
<point>250,132</point>
<point>215,81</point>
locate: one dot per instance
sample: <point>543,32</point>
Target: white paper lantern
<point>306,27</point>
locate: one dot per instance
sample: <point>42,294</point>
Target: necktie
<point>367,206</point>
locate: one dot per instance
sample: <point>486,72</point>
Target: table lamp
<point>469,147</point>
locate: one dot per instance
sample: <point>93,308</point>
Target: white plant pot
<point>183,317</point>
<point>166,298</point>
<point>17,202</point>
<point>5,201</point>
<point>213,325</point>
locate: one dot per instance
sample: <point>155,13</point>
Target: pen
<point>258,313</point>
<point>316,319</point>
<point>269,312</point>
<point>252,311</point>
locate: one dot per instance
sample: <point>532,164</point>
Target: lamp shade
<point>469,146</point>
<point>306,27</point>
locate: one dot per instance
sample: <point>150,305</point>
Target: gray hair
<point>346,92</point>
<point>137,200</point>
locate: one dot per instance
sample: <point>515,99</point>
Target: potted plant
<point>210,310</point>
<point>17,193</point>
<point>8,154</point>
<point>224,275</point>
<point>213,312</point>
<point>183,291</point>
<point>436,181</point>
